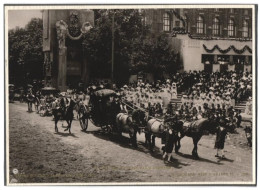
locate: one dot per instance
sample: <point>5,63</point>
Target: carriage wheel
<point>83,123</point>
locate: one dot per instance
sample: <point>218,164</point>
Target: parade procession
<point>108,101</point>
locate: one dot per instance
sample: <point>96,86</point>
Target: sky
<point>21,17</point>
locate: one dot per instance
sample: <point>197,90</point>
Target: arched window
<point>231,27</point>
<point>245,29</point>
<point>200,25</point>
<point>215,27</point>
<point>166,22</point>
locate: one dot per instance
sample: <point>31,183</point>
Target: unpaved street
<point>42,156</point>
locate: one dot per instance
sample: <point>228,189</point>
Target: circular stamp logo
<point>15,171</point>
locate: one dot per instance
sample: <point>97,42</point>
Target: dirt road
<point>39,155</point>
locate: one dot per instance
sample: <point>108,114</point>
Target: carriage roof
<point>104,93</point>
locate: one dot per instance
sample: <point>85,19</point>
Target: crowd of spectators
<point>204,95</point>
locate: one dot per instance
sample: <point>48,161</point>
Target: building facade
<point>206,39</point>
<point>65,62</point>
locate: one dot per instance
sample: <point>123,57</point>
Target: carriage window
<point>216,27</point>
<point>166,22</point>
<point>200,25</point>
<point>231,28</point>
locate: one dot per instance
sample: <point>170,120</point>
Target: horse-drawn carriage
<point>99,110</point>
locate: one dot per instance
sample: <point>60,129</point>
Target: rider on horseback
<point>63,102</point>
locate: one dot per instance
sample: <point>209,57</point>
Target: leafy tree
<point>135,48</point>
<point>25,52</point>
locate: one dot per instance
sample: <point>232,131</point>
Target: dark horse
<point>64,113</point>
<point>195,130</point>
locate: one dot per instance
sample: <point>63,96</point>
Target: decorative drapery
<point>62,32</point>
<point>224,51</point>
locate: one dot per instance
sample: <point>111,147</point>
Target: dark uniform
<point>220,138</point>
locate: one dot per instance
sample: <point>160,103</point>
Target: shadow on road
<point>66,134</point>
<point>175,163</point>
<point>189,156</point>
<point>142,147</point>
<point>225,159</point>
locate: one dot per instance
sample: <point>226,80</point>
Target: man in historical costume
<point>220,139</point>
<point>170,138</point>
<point>69,107</point>
<point>238,118</point>
<point>30,99</point>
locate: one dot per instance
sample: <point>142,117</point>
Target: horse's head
<point>139,116</point>
<point>133,124</point>
<point>211,126</point>
<point>179,125</point>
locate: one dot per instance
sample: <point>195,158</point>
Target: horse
<point>126,124</point>
<point>64,113</point>
<point>130,124</point>
<point>195,130</point>
<point>157,128</point>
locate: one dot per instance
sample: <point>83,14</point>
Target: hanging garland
<point>238,51</point>
<point>74,38</point>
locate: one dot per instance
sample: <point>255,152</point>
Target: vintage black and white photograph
<point>135,95</point>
